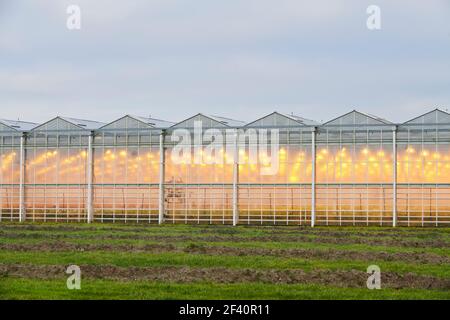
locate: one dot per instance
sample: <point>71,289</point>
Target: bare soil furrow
<point>328,254</point>
<point>352,278</point>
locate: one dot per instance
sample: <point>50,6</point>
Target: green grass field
<point>137,261</point>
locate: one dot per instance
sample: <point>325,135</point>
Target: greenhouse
<point>281,169</point>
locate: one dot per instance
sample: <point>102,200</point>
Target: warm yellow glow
<point>334,165</point>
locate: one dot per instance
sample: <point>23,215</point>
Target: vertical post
<point>162,169</point>
<point>394,180</point>
<point>22,214</point>
<point>236,179</point>
<point>90,177</point>
<point>313,177</point>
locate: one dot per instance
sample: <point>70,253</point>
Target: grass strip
<point>126,259</point>
<point>19,288</point>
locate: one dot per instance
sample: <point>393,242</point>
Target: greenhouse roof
<point>352,118</point>
<point>209,121</point>
<point>67,124</point>
<point>157,123</point>
<point>136,122</point>
<point>86,124</point>
<point>301,120</point>
<point>435,116</point>
<point>357,118</point>
<point>19,125</point>
<point>228,121</point>
<point>280,119</point>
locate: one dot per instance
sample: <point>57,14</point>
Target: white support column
<point>236,179</point>
<point>313,177</point>
<point>394,176</point>
<point>90,179</point>
<point>162,174</point>
<point>22,213</point>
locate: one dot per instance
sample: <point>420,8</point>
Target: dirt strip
<point>353,278</point>
<point>298,238</point>
<point>425,258</point>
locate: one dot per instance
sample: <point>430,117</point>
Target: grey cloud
<point>174,58</point>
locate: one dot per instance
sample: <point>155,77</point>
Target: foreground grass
<point>360,239</point>
<point>14,288</point>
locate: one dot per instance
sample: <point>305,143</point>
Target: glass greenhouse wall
<point>10,142</point>
<point>284,197</point>
<point>423,162</point>
<point>198,191</point>
<point>56,160</point>
<point>126,171</point>
<point>356,169</point>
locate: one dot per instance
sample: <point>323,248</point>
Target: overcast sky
<point>238,58</point>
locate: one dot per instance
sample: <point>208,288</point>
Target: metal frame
<point>22,213</point>
<point>236,179</point>
<point>162,169</point>
<point>90,179</point>
<point>313,177</point>
<point>394,175</point>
